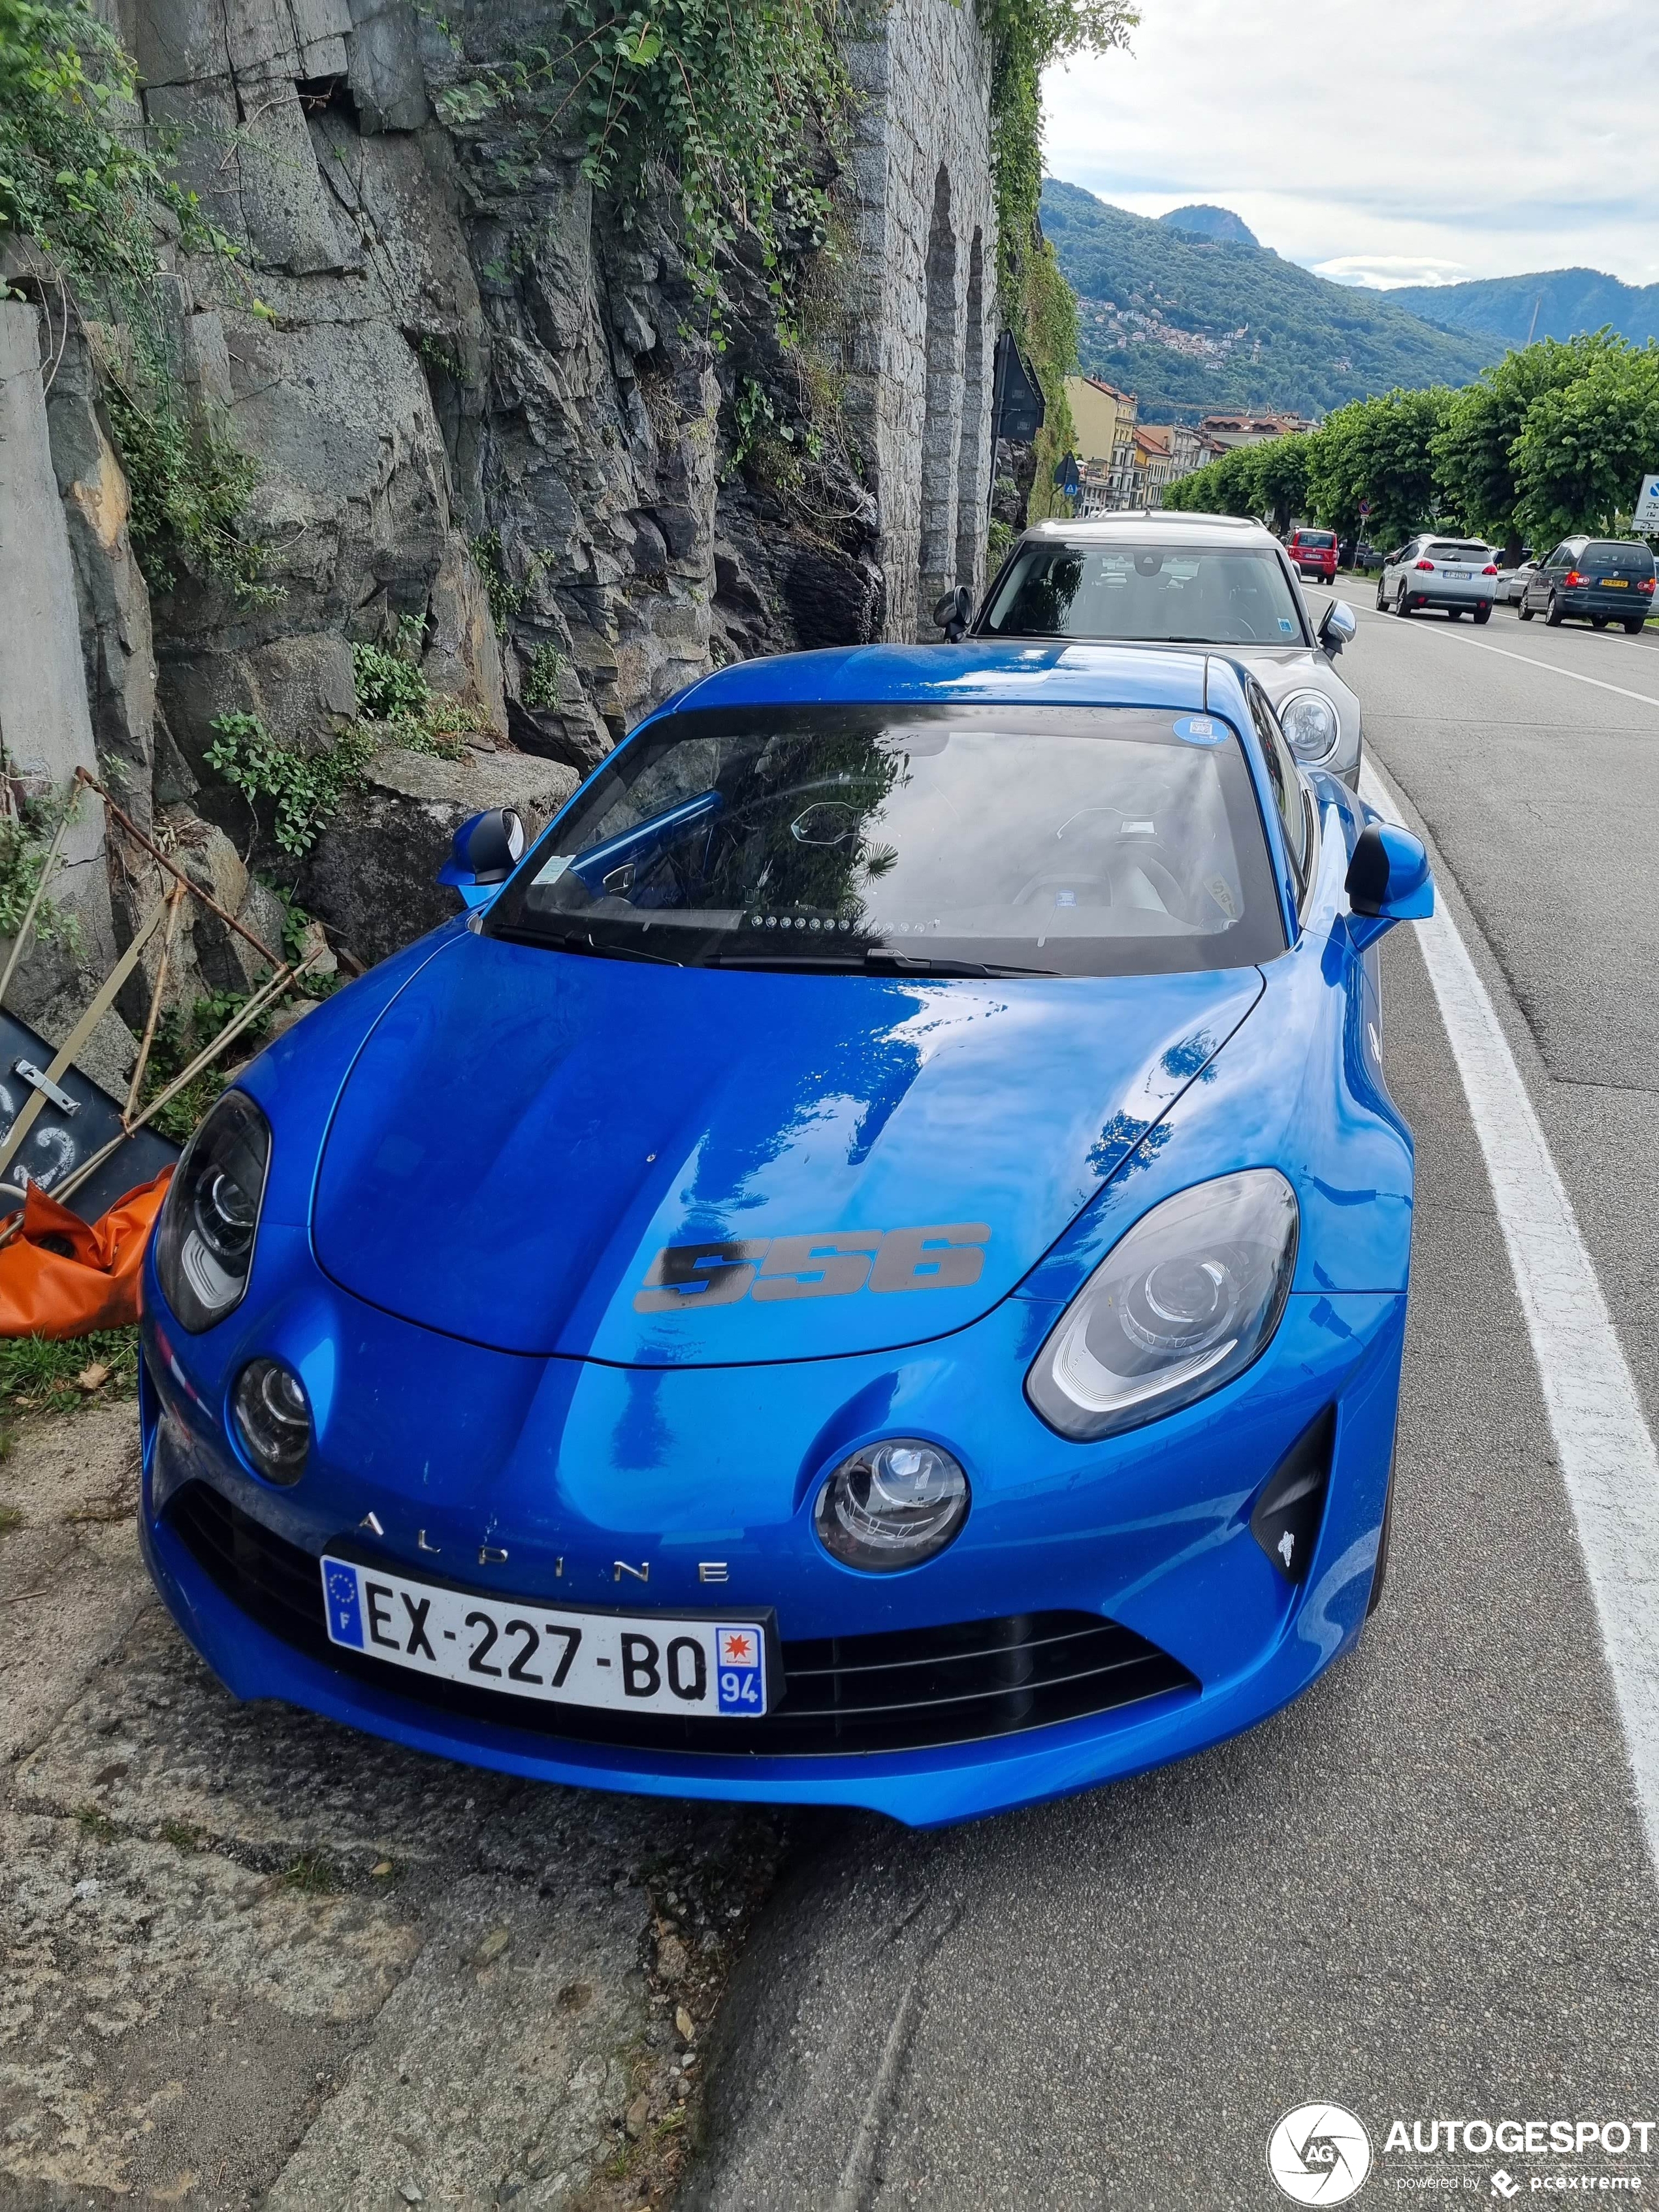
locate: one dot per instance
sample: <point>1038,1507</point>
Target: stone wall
<point>488,414</point>
<point>927,247</point>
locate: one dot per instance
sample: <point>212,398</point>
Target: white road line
<point>1455,635</point>
<point>1607,1453</point>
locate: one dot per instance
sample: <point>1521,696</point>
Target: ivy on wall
<point>1026,37</point>
<point>741,108</point>
<point>85,192</point>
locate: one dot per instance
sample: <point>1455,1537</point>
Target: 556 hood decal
<point>948,1257</point>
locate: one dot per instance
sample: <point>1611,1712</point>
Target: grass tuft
<point>37,1375</point>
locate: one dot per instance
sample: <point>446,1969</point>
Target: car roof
<point>1146,526</point>
<point>1027,672</point>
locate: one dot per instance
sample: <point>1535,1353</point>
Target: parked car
<point>1512,582</point>
<point>870,1269</point>
<point>1313,553</point>
<point>1593,580</point>
<point>1430,570</point>
<point>1367,556</point>
<point>1184,580</point>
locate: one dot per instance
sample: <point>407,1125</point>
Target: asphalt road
<point>1424,1891</point>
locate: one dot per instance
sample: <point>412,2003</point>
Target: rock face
<point>489,417</point>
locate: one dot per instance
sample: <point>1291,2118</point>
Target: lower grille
<point>904,1690</point>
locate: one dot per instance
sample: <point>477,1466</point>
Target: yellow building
<point>1105,419</point>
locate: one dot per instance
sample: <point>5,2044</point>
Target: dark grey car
<point>1185,579</point>
<point>1594,579</point>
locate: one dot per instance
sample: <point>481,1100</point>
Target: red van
<point>1313,553</point>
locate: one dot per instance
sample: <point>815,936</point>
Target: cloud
<point>1435,135</point>
<point>1378,273</point>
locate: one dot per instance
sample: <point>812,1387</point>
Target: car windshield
<point>1616,553</point>
<point>1446,548</point>
<point>977,840</point>
<point>1318,539</point>
<point>1167,594</point>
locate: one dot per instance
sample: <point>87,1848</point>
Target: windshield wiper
<point>875,961</point>
<point>548,941</point>
<point>922,963</point>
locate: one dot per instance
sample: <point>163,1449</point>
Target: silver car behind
<point>1185,579</point>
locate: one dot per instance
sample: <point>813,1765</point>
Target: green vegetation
<point>1038,304</point>
<point>87,195</point>
<point>736,105</point>
<point>38,1375</point>
<point>1552,439</point>
<point>541,680</point>
<point>313,1876</point>
<point>305,787</point>
<point>1230,324</point>
<point>25,840</point>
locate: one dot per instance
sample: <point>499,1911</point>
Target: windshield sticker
<point>1287,625</point>
<point>947,1257</point>
<point>550,871</point>
<point>1201,730</point>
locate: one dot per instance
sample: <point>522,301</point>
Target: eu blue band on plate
<point>1201,730</point>
<point>340,1583</point>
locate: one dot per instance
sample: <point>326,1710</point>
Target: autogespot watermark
<point>1323,2153</point>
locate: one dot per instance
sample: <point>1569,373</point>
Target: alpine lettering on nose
<point>944,1256</point>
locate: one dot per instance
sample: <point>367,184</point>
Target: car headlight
<point>204,1241</point>
<point>892,1504</point>
<point>1310,726</point>
<point>1182,1304</point>
<point>273,1419</point>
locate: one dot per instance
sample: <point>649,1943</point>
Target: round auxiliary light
<point>273,1419</point>
<point>1310,726</point>
<point>892,1504</point>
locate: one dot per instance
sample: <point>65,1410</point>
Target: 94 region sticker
<point>738,1670</point>
<point>1319,2155</point>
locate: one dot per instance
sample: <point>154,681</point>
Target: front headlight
<point>1185,1302</point>
<point>1310,726</point>
<point>204,1241</point>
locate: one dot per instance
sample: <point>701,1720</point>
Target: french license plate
<point>1460,576</point>
<point>1615,583</point>
<point>620,1662</point>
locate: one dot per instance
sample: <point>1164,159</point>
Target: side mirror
<point>1337,626</point>
<point>1388,881</point>
<point>487,848</point>
<point>954,612</point>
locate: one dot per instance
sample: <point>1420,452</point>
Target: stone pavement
<point>251,1956</point>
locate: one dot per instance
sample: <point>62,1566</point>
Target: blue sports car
<point>868,1266</point>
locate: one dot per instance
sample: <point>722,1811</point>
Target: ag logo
<point>1319,2155</point>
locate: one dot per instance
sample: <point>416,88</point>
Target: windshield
<point>1165,594</point>
<point>950,840</point>
<point>1447,549</point>
<point>1318,539</point>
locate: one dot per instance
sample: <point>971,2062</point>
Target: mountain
<point>1210,222</point>
<point>1564,300</point>
<point>1199,326</point>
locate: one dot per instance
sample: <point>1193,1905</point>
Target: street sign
<point>1364,507</point>
<point>1646,516</point>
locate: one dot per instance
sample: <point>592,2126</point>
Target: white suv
<point>1458,573</point>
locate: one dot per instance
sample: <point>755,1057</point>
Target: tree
<point>1379,451</point>
<point>1281,467</point>
<point>1227,485</point>
<point>1581,456</point>
<point>1474,449</point>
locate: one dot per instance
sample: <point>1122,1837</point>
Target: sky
<point>1420,141</point>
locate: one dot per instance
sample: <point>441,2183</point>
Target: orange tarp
<point>46,1290</point>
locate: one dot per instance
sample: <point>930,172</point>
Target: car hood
<point>524,1134</point>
